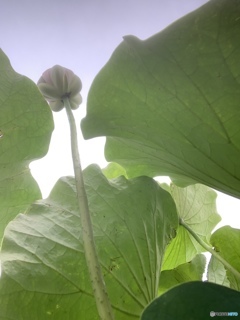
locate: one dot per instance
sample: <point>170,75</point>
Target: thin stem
<point>210,249</point>
<point>99,288</point>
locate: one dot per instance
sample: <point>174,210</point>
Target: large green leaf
<point>193,300</point>
<point>169,105</point>
<point>196,205</point>
<point>25,129</point>
<point>226,242</point>
<point>44,270</point>
<point>186,272</point>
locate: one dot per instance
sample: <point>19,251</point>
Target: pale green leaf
<point>216,272</point>
<point>226,242</point>
<point>196,205</point>
<point>186,272</point>
<point>114,170</point>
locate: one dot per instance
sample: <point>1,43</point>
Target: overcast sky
<point>80,35</point>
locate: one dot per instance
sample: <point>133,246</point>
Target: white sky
<point>81,35</point>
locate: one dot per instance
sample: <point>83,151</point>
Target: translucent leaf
<point>186,272</point>
<point>217,273</point>
<point>196,205</point>
<point>226,242</point>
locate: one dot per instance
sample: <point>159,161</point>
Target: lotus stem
<point>99,289</point>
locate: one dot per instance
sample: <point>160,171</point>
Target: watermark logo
<point>223,314</point>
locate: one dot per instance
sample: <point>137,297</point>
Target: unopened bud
<point>58,83</point>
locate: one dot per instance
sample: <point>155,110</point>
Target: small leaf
<point>26,125</point>
<point>196,205</point>
<point>43,260</point>
<point>186,272</point>
<point>226,242</point>
<point>193,300</point>
<point>217,273</point>
<point>114,170</point>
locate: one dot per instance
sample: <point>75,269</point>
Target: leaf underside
<point>169,105</point>
<point>43,262</point>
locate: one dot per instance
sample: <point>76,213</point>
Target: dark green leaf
<point>193,300</point>
<point>169,105</point>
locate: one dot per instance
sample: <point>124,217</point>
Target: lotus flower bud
<point>58,83</point>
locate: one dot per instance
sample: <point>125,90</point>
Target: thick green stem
<point>210,249</point>
<point>99,288</point>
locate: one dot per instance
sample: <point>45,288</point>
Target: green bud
<point>58,83</point>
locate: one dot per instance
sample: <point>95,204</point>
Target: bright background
<point>81,35</point>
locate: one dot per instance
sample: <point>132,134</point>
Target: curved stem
<point>210,249</point>
<point>99,288</point>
